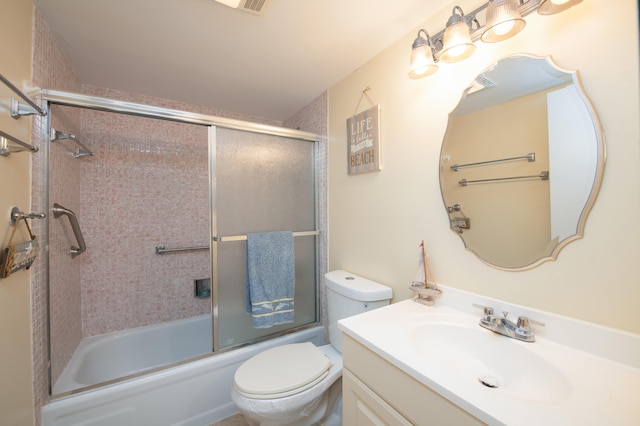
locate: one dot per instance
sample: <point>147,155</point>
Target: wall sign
<point>363,142</point>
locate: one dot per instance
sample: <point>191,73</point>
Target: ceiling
<point>204,53</point>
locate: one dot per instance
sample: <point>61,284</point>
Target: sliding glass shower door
<point>259,183</point>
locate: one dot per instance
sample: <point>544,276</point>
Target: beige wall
<point>377,220</point>
<point>16,407</point>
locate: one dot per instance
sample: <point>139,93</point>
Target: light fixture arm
<point>471,19</point>
<point>422,41</point>
<point>457,17</point>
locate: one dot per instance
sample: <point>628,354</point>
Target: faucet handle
<point>487,309</point>
<point>524,323</point>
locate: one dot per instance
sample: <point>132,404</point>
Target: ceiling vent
<point>255,7</point>
<point>481,82</point>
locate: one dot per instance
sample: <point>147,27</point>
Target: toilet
<point>300,384</point>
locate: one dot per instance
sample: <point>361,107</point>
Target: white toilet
<point>299,384</point>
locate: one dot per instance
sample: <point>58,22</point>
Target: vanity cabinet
<point>376,392</point>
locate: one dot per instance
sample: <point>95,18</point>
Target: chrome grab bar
<point>58,211</point>
<point>163,249</point>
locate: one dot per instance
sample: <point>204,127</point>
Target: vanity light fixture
<point>457,44</point>
<point>503,20</point>
<point>549,7</point>
<point>493,21</point>
<point>422,63</point>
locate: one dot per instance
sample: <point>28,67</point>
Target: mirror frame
<point>601,155</point>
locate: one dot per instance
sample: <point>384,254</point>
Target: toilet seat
<point>282,371</point>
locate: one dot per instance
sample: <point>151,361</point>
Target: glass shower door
<point>260,183</point>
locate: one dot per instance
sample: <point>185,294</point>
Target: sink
<point>575,373</point>
<point>464,350</point>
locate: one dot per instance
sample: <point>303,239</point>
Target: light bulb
<point>457,43</point>
<point>550,7</point>
<point>503,21</point>
<point>503,28</point>
<point>421,62</point>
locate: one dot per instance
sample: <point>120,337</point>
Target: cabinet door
<point>362,407</point>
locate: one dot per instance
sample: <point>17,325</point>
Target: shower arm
<point>58,211</point>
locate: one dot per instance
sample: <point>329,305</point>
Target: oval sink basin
<point>491,361</point>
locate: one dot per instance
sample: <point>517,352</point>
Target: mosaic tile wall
<point>146,186</point>
<point>51,70</point>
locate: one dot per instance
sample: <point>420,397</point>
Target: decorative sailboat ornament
<point>423,285</point>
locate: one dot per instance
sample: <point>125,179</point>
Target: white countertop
<point>601,365</point>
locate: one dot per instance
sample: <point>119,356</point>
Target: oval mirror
<point>521,162</point>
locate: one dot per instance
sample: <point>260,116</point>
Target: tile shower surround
<point>52,70</point>
<point>147,185</point>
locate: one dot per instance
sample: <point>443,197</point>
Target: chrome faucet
<point>521,330</point>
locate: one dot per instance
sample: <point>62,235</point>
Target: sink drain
<point>488,381</point>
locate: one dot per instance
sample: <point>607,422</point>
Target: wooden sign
<point>363,141</point>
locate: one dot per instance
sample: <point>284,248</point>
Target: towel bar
<point>163,249</point>
<point>244,237</point>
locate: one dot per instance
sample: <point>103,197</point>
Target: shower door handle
<point>58,211</point>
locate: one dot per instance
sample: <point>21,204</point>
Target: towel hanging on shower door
<point>270,282</point>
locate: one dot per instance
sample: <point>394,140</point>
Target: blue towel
<point>270,278</point>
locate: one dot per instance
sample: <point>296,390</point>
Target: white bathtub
<point>111,356</point>
<point>195,393</point>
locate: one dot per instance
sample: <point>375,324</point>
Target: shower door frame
<point>62,98</point>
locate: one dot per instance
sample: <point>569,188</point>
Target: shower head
<point>80,152</point>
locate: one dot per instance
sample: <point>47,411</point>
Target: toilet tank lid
<point>356,287</point>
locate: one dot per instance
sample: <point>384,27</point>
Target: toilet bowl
<point>300,384</point>
<point>305,399</point>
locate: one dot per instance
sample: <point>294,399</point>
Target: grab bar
<point>163,249</point>
<point>531,157</point>
<point>544,175</point>
<point>58,211</point>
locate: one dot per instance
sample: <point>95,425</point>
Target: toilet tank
<point>349,294</point>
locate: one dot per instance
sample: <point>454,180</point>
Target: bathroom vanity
<point>414,364</point>
<point>395,392</point>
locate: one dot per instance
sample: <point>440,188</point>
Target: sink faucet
<point>520,330</point>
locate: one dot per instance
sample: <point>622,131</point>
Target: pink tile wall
<point>51,70</point>
<point>64,272</point>
<point>147,185</point>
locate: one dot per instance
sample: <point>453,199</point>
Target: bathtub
<point>111,356</point>
<point>195,393</point>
